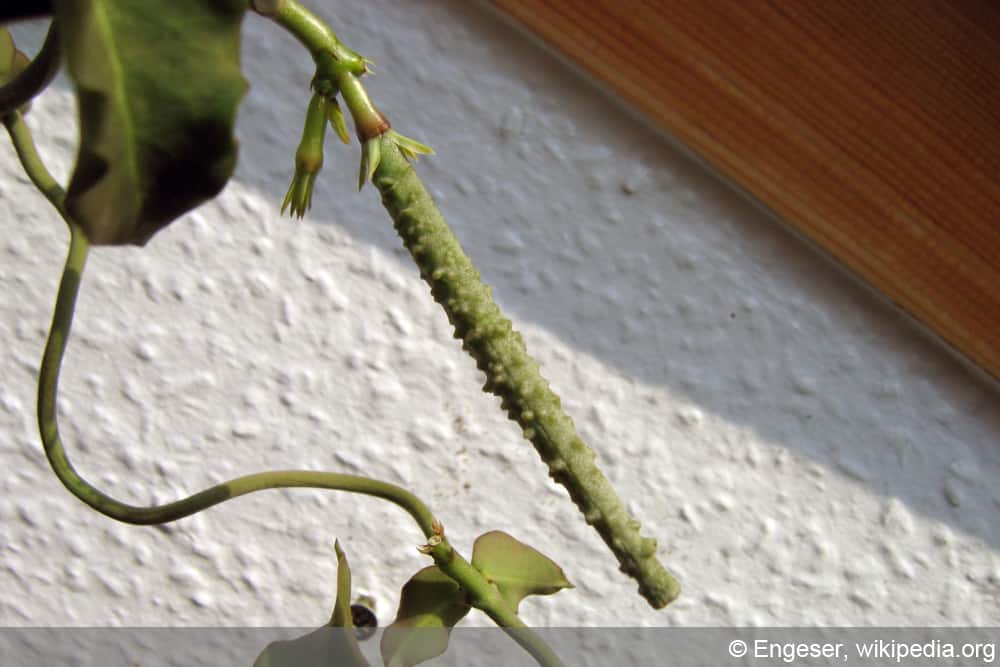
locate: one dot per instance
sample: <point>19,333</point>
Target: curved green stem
<point>36,76</point>
<point>312,32</point>
<point>481,593</point>
<point>20,136</point>
<point>335,63</point>
<point>48,425</point>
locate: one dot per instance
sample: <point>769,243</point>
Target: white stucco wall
<point>804,453</point>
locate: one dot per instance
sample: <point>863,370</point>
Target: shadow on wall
<point>591,225</point>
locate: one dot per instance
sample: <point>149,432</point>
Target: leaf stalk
<point>32,163</point>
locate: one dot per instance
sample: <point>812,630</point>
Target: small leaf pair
<point>432,603</point>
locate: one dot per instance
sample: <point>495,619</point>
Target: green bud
<point>308,158</point>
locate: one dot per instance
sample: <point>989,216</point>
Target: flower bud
<point>308,158</point>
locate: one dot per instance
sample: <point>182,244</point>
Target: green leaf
<point>158,83</point>
<point>7,51</point>
<point>323,647</point>
<point>333,644</point>
<point>430,604</point>
<point>342,617</point>
<point>516,569</point>
<point>13,61</point>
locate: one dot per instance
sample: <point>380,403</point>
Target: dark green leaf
<point>158,83</point>
<point>515,568</point>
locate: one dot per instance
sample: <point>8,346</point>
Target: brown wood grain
<point>872,127</point>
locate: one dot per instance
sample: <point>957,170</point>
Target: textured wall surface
<point>804,454</point>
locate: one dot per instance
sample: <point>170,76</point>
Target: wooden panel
<point>872,127</point>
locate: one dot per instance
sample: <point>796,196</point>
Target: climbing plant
<point>158,85</point>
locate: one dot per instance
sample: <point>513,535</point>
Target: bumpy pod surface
<point>511,374</point>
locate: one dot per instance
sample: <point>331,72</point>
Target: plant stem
<point>511,373</point>
<point>48,425</point>
<point>368,121</point>
<point>36,76</point>
<point>334,61</point>
<point>312,32</point>
<point>486,597</point>
<point>20,136</point>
